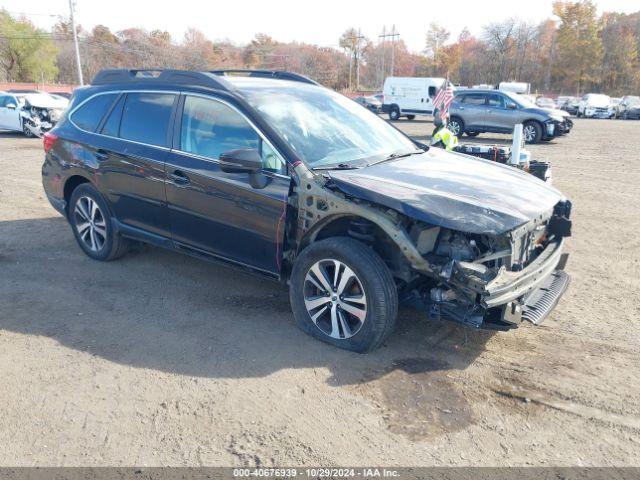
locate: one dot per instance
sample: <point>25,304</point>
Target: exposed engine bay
<point>488,259</point>
<point>471,268</point>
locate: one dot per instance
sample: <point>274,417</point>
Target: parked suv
<point>479,111</point>
<point>595,105</point>
<point>273,173</point>
<point>629,107</point>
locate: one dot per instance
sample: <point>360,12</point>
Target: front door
<point>499,118</point>
<point>220,213</point>
<point>9,113</point>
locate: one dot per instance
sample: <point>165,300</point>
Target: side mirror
<point>511,106</point>
<point>242,160</point>
<point>245,160</point>
<point>12,106</point>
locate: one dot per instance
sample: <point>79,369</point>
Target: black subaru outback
<point>276,174</point>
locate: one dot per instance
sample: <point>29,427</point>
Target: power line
<point>25,14</point>
<point>393,35</point>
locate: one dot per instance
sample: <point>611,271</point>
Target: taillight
<point>48,141</point>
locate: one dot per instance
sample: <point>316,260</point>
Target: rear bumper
<point>59,204</point>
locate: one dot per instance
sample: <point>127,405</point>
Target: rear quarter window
<point>88,115</point>
<point>146,117</point>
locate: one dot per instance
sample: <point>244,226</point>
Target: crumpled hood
<point>547,112</point>
<point>46,101</point>
<point>452,190</point>
<point>556,112</point>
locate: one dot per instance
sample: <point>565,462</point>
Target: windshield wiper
<point>339,166</point>
<point>395,156</point>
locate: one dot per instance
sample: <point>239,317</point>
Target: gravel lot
<point>161,359</point>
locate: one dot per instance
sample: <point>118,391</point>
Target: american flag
<point>443,100</point>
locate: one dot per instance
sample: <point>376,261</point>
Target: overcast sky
<point>317,22</point>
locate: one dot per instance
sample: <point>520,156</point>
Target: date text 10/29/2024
<point>316,472</point>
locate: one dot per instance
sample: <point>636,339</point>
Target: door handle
<point>101,154</point>
<point>179,177</point>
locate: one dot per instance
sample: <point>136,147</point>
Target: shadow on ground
<point>161,310</point>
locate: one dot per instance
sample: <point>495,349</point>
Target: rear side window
<point>88,116</point>
<point>432,92</point>
<point>146,116</point>
<point>474,99</point>
<point>112,125</point>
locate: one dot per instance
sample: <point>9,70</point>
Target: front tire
<point>394,113</point>
<point>26,130</point>
<point>342,293</point>
<point>532,132</point>
<point>92,225</point>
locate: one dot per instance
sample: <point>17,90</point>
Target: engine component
<point>456,246</point>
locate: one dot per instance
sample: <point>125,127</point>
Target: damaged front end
<point>38,117</point>
<point>496,281</point>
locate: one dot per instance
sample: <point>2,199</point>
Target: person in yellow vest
<point>445,137</point>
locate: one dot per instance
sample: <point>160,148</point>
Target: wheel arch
<point>364,230</point>
<point>70,185</point>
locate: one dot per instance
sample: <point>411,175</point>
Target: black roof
<point>211,79</point>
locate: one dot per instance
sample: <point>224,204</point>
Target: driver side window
<point>7,100</point>
<point>210,128</point>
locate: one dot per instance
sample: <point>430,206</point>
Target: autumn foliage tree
<point>576,50</point>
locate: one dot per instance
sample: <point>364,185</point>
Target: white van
<point>522,88</point>
<point>409,96</point>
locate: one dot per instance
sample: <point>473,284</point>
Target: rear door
<point>473,110</point>
<point>131,148</point>
<point>220,213</point>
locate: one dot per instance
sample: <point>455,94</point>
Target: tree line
<point>574,52</point>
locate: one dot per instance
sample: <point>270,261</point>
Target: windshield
<point>633,100</point>
<point>520,101</point>
<point>326,128</point>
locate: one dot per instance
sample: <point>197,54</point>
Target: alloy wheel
<point>454,127</point>
<point>529,133</point>
<point>335,299</point>
<point>90,224</point>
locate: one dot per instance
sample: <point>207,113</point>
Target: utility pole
<point>75,42</point>
<point>355,53</point>
<point>382,41</point>
<point>393,34</point>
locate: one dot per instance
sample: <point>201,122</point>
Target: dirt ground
<point>161,359</point>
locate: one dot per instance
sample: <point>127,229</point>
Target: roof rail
<point>278,74</point>
<point>181,77</point>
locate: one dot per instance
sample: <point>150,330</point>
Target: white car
<point>594,105</point>
<point>30,113</point>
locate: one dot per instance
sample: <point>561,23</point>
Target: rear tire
<point>92,225</point>
<point>411,117</point>
<point>354,308</point>
<point>532,132</point>
<point>472,134</point>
